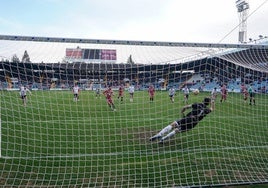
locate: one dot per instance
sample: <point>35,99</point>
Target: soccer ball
<point>196,91</point>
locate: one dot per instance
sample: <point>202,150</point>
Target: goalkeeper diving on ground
<point>188,122</point>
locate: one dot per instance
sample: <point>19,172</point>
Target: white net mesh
<point>53,139</point>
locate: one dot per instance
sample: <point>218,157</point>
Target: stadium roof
<point>52,50</point>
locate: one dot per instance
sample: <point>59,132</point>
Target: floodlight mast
<point>242,9</point>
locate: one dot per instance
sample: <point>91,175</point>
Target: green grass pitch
<point>57,142</point>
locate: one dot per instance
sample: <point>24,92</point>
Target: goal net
<point>68,118</point>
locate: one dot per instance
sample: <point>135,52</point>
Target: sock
<point>165,130</point>
<point>169,135</point>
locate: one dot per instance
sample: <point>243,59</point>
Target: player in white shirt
<point>131,90</point>
<point>213,97</point>
<point>171,94</point>
<point>186,94</point>
<point>76,91</point>
<point>23,94</point>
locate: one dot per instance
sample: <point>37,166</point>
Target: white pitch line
<point>126,119</point>
<point>145,153</point>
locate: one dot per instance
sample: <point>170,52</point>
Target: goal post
<point>84,113</point>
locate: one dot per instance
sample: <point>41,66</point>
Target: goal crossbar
<point>130,42</point>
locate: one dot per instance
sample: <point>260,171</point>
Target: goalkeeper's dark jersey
<point>199,111</point>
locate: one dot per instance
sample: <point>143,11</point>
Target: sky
<point>205,21</point>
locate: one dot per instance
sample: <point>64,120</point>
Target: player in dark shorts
<point>121,93</point>
<point>23,94</point>
<point>251,95</point>
<point>189,121</point>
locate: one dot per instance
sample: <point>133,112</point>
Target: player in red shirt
<point>244,91</point>
<point>223,93</point>
<point>151,92</point>
<point>108,93</point>
<point>121,93</point>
